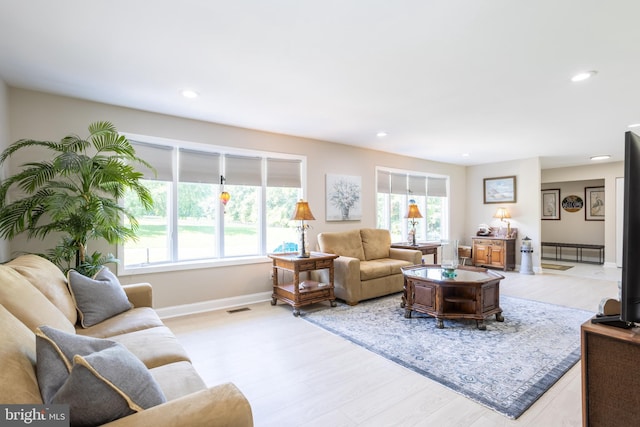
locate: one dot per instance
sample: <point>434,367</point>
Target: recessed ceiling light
<point>465,154</point>
<point>381,134</point>
<point>188,93</point>
<point>583,76</point>
<point>602,157</point>
<point>635,125</point>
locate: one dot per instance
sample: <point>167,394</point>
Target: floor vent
<point>238,310</point>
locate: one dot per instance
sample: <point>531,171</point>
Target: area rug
<point>506,367</point>
<point>556,266</point>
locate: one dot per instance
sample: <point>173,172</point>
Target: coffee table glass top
<point>436,274</point>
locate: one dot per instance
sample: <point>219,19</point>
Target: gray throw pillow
<point>97,298</point>
<point>99,379</point>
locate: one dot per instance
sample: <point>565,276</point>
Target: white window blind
<point>398,184</point>
<point>283,173</point>
<point>240,170</point>
<point>384,186</point>
<point>199,166</point>
<point>158,156</point>
<point>417,185</point>
<point>436,187</point>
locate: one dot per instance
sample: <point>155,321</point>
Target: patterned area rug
<point>506,368</point>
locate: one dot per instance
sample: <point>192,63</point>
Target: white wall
<point>4,143</point>
<point>605,172</point>
<point>524,213</point>
<point>44,116</point>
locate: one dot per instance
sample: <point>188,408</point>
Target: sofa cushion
<point>90,367</point>
<point>97,298</point>
<point>395,265</point>
<point>132,320</point>
<point>373,270</point>
<point>55,350</point>
<point>18,382</point>
<point>344,243</point>
<point>48,279</point>
<point>375,242</point>
<point>177,379</point>
<point>28,304</point>
<point>153,346</point>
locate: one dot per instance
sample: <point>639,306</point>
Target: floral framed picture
<point>500,190</point>
<point>551,204</point>
<point>594,199</point>
<point>343,197</point>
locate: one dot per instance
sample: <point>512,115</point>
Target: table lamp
<point>413,214</point>
<point>503,214</point>
<point>302,214</point>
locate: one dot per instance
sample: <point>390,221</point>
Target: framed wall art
<point>551,204</point>
<point>343,198</point>
<point>500,190</point>
<point>594,199</point>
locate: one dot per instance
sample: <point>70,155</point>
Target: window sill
<point>190,265</point>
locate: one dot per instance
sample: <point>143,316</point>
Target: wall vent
<point>238,310</point>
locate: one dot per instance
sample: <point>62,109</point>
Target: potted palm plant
<point>73,192</point>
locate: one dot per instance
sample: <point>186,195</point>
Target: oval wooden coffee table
<point>474,293</point>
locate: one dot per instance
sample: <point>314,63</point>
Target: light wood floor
<point>296,374</point>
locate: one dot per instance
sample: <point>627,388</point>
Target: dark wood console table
<point>474,293</point>
<point>427,248</point>
<point>299,293</point>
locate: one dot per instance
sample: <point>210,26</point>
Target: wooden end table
<point>297,293</point>
<point>427,248</point>
<point>474,293</point>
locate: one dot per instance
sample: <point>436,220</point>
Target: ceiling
<point>466,82</point>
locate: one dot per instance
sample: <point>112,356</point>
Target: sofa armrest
<point>411,255</point>
<point>139,294</point>
<point>346,279</point>
<point>221,405</point>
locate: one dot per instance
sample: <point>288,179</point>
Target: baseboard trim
<point>212,305</point>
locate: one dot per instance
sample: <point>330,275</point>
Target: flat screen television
<point>630,295</point>
<point>630,298</point>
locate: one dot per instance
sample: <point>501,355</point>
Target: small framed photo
<point>594,199</point>
<point>500,190</point>
<point>551,204</point>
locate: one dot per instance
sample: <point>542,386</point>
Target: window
<point>190,224</point>
<point>396,188</point>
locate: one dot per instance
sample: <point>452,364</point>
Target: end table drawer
<point>324,264</point>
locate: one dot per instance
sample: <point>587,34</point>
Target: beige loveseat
<point>34,292</point>
<point>368,266</point>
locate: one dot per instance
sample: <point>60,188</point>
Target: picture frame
<point>344,195</point>
<point>594,200</point>
<point>499,190</point>
<point>550,206</point>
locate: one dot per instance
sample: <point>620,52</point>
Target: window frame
<point>404,223</point>
<point>172,212</point>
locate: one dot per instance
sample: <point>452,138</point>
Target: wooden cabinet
<point>494,252</point>
<point>610,375</point>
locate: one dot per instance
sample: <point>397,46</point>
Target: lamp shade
<point>502,213</point>
<point>302,212</point>
<point>413,212</point>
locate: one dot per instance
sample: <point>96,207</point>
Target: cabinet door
<point>480,253</point>
<point>497,255</point>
